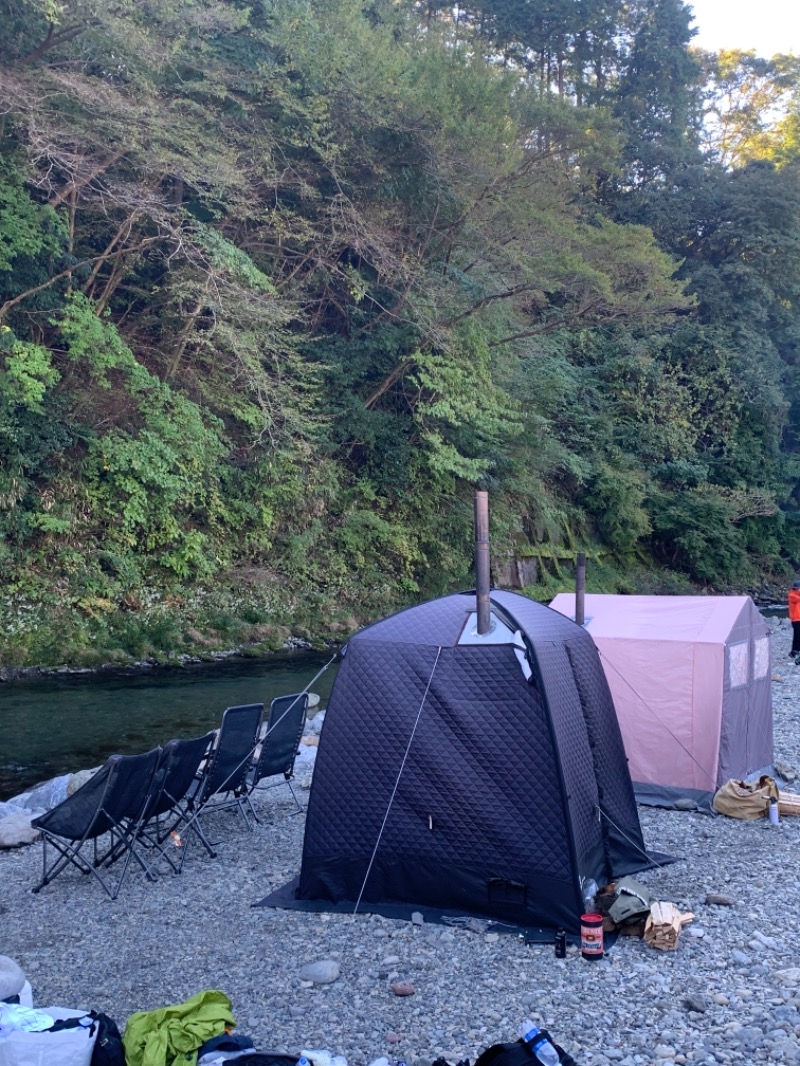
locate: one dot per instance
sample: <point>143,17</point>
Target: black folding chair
<point>111,802</point>
<point>287,718</point>
<point>167,807</point>
<point>224,780</point>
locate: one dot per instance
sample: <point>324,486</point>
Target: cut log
<point>662,929</point>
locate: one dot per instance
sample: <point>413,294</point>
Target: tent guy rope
<point>397,782</point>
<point>660,721</point>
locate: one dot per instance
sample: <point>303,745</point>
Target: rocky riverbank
<point>729,994</point>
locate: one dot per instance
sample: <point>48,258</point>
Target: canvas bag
<point>747,800</point>
<point>67,1047</point>
<point>632,902</point>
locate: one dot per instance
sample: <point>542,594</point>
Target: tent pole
<point>580,589</point>
<point>482,564</point>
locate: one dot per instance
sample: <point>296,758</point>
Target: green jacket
<point>170,1036</point>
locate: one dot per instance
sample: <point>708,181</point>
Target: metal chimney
<point>482,561</point>
<point>580,589</point>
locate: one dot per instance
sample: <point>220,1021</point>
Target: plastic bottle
<point>538,1043</point>
<point>774,812</point>
<point>589,891</point>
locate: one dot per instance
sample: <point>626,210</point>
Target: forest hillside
<point>281,283</point>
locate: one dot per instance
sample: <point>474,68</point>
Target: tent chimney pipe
<point>580,588</point>
<point>482,566</point>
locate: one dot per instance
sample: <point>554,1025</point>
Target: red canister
<point>592,936</point>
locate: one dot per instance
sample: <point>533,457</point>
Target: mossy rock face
<point>270,634</point>
<point>259,651</point>
<point>202,639</point>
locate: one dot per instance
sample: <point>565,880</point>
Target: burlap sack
<point>747,800</point>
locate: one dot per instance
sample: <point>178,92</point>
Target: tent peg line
<point>396,784</point>
<point>650,711</point>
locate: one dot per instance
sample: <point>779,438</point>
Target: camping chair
<point>224,779</point>
<point>112,801</point>
<point>287,717</point>
<point>167,808</point>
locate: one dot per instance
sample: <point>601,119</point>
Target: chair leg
<point>198,830</point>
<point>252,809</point>
<point>240,802</point>
<point>294,797</point>
<point>69,854</point>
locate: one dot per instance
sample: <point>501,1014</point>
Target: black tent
<point>481,774</point>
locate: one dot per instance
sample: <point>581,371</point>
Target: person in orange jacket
<point>794,618</point>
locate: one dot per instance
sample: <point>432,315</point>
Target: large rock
<point>16,830</point>
<point>12,807</point>
<point>78,779</point>
<point>45,796</point>
<point>314,725</point>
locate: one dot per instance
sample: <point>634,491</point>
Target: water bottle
<point>538,1043</point>
<point>589,890</point>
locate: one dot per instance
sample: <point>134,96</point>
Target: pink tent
<point>691,682</point>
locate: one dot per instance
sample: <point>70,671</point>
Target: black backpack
<point>108,1049</point>
<point>519,1054</point>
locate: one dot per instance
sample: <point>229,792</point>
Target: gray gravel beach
<point>730,993</point>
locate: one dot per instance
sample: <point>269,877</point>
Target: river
<point>66,722</point>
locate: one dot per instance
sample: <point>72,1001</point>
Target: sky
<point>768,26</point>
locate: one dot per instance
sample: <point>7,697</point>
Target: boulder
<point>16,830</point>
<point>12,807</point>
<point>314,725</point>
<point>45,796</point>
<point>78,779</point>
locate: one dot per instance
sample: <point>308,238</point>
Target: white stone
<point>324,972</point>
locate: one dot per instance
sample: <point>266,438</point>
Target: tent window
<point>738,664</point>
<point>760,657</point>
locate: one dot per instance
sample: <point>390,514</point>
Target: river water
<point>59,724</point>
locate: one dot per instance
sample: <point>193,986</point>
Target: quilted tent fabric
<point>446,778</point>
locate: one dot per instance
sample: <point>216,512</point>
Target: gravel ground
<point>729,995</point>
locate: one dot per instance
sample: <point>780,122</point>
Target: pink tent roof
<point>693,619</point>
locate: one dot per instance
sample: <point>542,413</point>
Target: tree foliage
<point>280,283</point>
